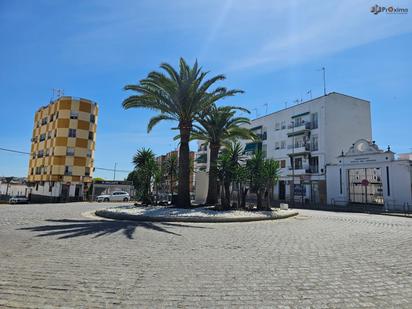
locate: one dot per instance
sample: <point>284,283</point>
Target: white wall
<point>347,119</point>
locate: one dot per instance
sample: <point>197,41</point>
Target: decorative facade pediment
<point>362,147</point>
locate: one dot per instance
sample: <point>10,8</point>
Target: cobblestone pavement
<point>52,256</point>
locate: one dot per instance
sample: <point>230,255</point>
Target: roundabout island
<point>198,214</point>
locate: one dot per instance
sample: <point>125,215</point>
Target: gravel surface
<point>194,214</point>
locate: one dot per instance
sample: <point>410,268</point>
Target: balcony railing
<point>300,128</point>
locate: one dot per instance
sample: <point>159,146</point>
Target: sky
<point>273,50</point>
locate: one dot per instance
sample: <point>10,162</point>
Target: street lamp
<point>293,163</point>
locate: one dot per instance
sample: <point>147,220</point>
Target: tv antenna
<point>256,112</point>
<point>57,93</point>
<point>266,108</point>
<point>310,93</point>
<point>324,79</point>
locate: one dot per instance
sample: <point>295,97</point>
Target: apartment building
<point>305,138</point>
<point>62,150</point>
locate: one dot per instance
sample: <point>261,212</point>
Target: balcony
<point>299,171</point>
<point>299,149</point>
<point>302,128</point>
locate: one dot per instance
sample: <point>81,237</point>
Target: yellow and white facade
<point>62,150</point>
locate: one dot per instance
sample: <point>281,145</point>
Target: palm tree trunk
<point>227,194</point>
<point>183,190</point>
<point>258,199</point>
<point>212,187</point>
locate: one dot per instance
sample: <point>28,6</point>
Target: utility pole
<point>293,164</point>
<point>114,171</point>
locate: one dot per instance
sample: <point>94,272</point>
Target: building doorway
<point>282,190</point>
<point>365,186</point>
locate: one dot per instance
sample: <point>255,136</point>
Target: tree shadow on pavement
<point>75,228</point>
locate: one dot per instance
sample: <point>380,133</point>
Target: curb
<point>124,216</point>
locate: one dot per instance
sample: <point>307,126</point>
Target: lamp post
<point>293,163</point>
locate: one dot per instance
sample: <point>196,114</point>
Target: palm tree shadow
<point>69,228</point>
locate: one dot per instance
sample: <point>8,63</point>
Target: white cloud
<point>319,28</point>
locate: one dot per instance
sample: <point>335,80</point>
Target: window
<point>298,163</point>
<point>51,117</point>
<point>277,126</point>
<point>49,135</point>
<point>282,163</point>
<point>44,121</point>
<point>47,152</point>
<point>40,154</point>
<point>283,125</point>
<point>314,164</point>
<point>92,118</point>
<point>70,151</point>
<point>277,145</point>
<point>55,133</point>
<point>314,120</point>
<point>298,121</point>
<point>74,115</point>
<point>68,170</point>
<point>89,153</point>
<point>42,137</point>
<point>299,142</point>
<point>32,171</point>
<point>87,171</point>
<point>38,170</point>
<point>72,132</point>
<point>314,142</point>
<point>91,136</point>
<point>282,144</point>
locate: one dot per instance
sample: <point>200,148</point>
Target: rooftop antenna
<point>324,79</point>
<point>57,93</point>
<point>256,112</point>
<point>286,104</point>
<point>296,101</point>
<point>310,93</point>
<point>266,108</point>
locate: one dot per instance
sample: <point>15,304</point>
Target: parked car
<point>18,200</point>
<point>116,196</point>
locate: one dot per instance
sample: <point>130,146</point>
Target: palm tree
<point>229,162</point>
<point>256,172</point>
<point>271,175</point>
<point>178,96</point>
<point>218,125</point>
<point>171,169</point>
<point>146,167</point>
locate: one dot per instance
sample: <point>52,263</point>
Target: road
<point>53,255</point>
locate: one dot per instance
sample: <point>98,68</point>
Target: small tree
<point>257,182</point>
<point>146,168</point>
<point>171,168</point>
<point>271,175</point>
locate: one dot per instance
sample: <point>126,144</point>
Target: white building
<point>368,175</point>
<point>310,135</point>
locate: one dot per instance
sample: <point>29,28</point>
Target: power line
<point>16,151</point>
<point>97,168</point>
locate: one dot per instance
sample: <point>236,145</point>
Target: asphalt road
<point>52,256</point>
